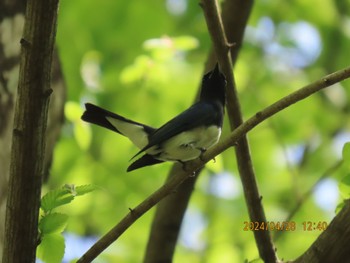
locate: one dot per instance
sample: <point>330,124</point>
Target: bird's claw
<point>193,174</point>
<point>203,150</point>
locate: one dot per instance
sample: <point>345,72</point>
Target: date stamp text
<point>284,226</point>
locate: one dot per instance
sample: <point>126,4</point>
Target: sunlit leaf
<point>339,207</point>
<point>51,248</point>
<point>73,111</point>
<point>344,187</point>
<point>91,69</point>
<point>181,43</point>
<point>53,223</point>
<point>164,42</point>
<point>84,189</point>
<point>137,70</point>
<point>56,198</point>
<point>186,43</point>
<point>82,134</point>
<point>71,188</point>
<point>346,153</point>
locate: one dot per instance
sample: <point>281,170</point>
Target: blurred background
<point>144,60</point>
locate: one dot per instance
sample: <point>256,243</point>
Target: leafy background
<point>144,60</point>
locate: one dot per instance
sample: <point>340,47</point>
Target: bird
<point>183,138</point>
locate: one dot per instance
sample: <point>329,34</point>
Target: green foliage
<point>345,187</point>
<point>56,198</point>
<point>84,189</point>
<point>346,154</point>
<point>82,132</point>
<point>143,61</point>
<point>344,184</point>
<point>52,224</point>
<point>51,248</point>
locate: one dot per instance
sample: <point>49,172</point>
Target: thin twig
<point>192,166</point>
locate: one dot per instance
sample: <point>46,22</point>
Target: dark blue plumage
<point>183,138</point>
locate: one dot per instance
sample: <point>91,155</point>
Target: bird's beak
<point>216,70</point>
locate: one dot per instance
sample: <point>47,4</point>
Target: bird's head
<point>213,86</point>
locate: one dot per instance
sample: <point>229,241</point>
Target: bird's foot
<point>193,174</point>
<point>203,150</point>
<point>183,165</point>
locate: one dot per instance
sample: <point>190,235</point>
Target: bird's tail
<point>145,160</point>
<point>96,115</point>
<point>137,132</point>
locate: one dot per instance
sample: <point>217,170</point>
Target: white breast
<point>187,145</point>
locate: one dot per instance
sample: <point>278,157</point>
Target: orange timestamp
<point>284,226</point>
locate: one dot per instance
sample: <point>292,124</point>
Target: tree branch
<point>28,140</point>
<point>193,166</point>
<point>245,167</point>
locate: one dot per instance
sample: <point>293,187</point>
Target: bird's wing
<point>137,132</point>
<point>199,114</point>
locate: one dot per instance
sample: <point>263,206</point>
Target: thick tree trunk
<point>11,29</point>
<point>28,139</point>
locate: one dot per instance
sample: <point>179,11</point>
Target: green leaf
<point>82,134</point>
<point>136,71</point>
<point>70,188</point>
<point>182,43</point>
<point>56,198</point>
<point>346,153</point>
<point>186,43</point>
<point>51,248</point>
<point>344,187</point>
<point>84,189</point>
<point>339,207</point>
<point>81,189</point>
<point>53,223</point>
<point>72,111</point>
